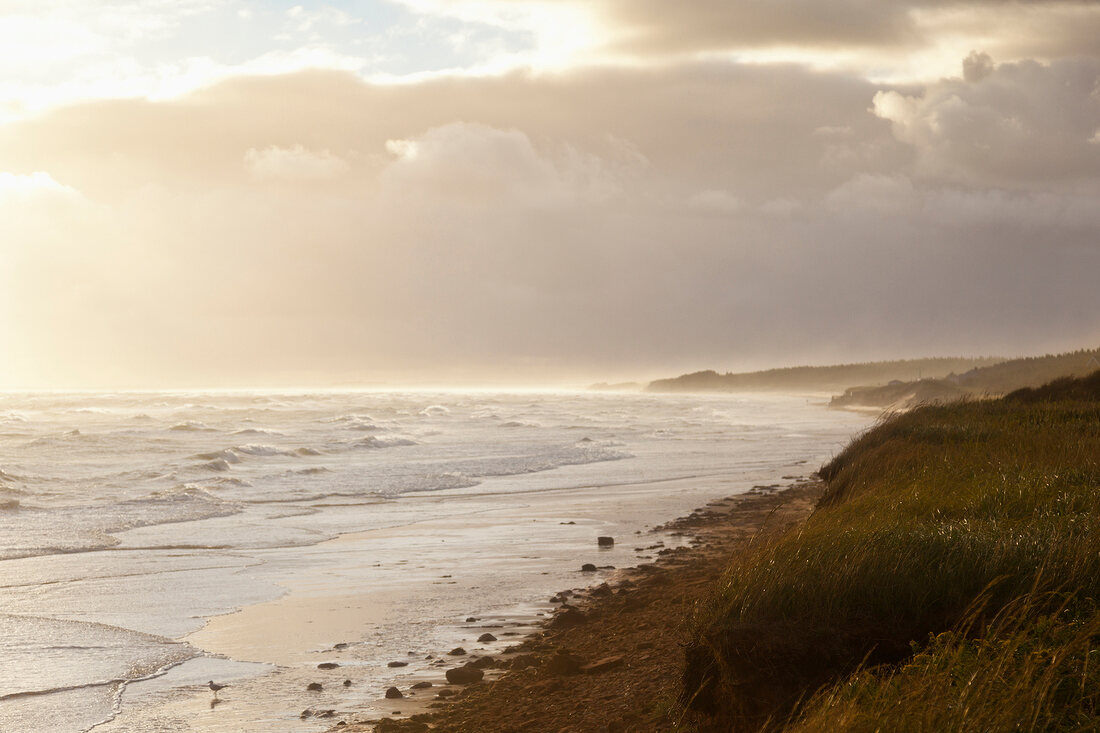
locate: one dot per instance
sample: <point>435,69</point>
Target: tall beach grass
<point>947,581</point>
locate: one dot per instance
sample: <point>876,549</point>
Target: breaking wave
<point>373,441</point>
<point>259,449</point>
<point>191,426</point>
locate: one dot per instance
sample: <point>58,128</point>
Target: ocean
<point>150,542</point>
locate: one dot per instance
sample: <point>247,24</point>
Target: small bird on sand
<point>215,687</point>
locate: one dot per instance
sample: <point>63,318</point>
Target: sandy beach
<point>610,657</point>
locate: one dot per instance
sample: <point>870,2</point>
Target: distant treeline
<point>986,381</point>
<point>821,378</point>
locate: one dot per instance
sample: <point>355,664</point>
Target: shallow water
<point>134,528</point>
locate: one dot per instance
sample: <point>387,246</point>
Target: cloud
<point>977,66</point>
<point>691,128</point>
<point>703,25</point>
<point>714,24</point>
<point>834,131</point>
<point>880,194</point>
<point>157,49</point>
<point>18,188</point>
<point>529,227</point>
<point>716,201</point>
<point>307,21</point>
<point>1016,123</point>
<point>907,40</point>
<point>294,163</point>
<point>463,161</point>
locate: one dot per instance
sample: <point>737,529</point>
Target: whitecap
<point>365,426</point>
<point>349,419</point>
<point>228,455</point>
<point>372,441</point>
<point>190,425</point>
<point>260,449</point>
<point>231,481</point>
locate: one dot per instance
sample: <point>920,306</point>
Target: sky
<point>235,193</point>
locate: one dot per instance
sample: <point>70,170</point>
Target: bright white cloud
<point>18,188</point>
<point>295,163</point>
<point>60,53</point>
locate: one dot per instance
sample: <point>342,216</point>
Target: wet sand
<point>403,594</point>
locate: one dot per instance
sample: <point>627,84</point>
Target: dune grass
<point>947,581</point>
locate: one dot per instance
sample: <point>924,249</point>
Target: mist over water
<point>129,520</point>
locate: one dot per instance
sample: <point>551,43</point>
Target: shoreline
<point>351,606</point>
<point>610,656</point>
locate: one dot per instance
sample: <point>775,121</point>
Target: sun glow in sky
<point>237,193</point>
<point>60,53</point>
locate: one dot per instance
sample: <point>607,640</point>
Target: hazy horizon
<point>228,194</point>
<point>556,385</point>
